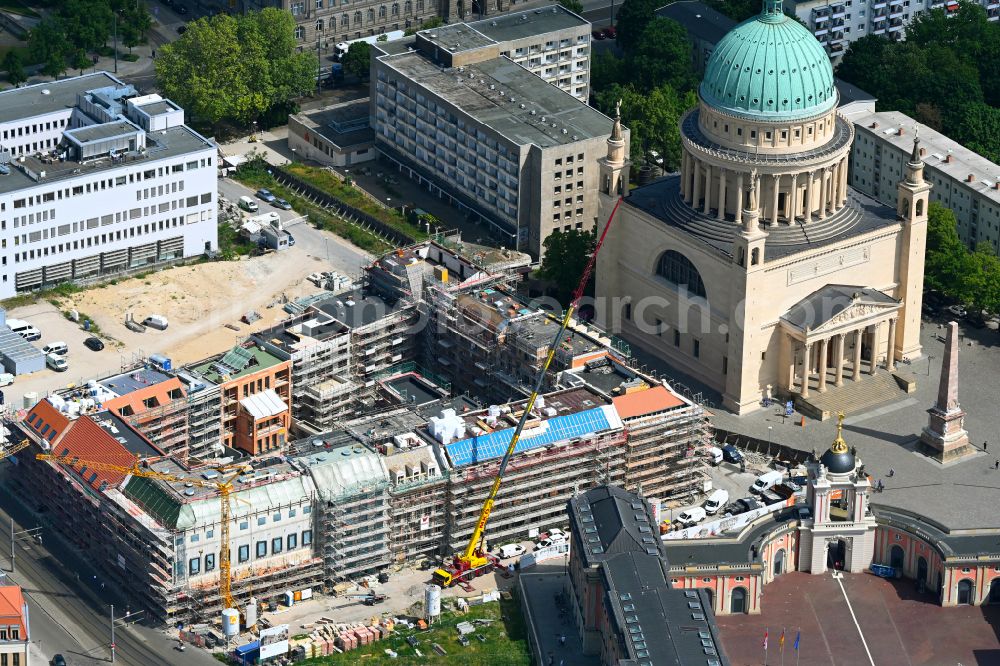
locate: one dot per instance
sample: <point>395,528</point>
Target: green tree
<point>946,264</point>
<point>357,60</point>
<point>432,22</point>
<point>47,41</point>
<point>14,65</point>
<point>738,10</point>
<point>80,60</point>
<point>662,56</point>
<point>574,6</point>
<point>236,68</point>
<point>653,120</point>
<point>566,255</point>
<point>606,69</point>
<point>55,65</point>
<point>980,129</point>
<point>632,19</point>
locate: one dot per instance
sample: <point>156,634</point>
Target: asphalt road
<point>67,616</point>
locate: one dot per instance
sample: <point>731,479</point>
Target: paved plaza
<point>867,621</point>
<point>964,494</point>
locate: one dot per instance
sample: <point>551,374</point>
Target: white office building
<point>837,23</point>
<point>963,180</point>
<point>96,180</point>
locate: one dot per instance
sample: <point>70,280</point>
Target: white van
<point>511,550</point>
<point>716,501</point>
<point>58,348</point>
<point>715,455</point>
<point>56,362</point>
<point>691,516</point>
<point>156,321</point>
<point>24,329</point>
<point>6,379</point>
<point>248,204</point>
<point>766,481</point>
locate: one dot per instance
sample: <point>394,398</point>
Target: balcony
<point>895,13</point>
<point>879,5</point>
<point>820,33</point>
<point>821,19</point>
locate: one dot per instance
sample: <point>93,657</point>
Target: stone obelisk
<point>944,438</point>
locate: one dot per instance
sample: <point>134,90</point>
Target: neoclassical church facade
<point>757,269</point>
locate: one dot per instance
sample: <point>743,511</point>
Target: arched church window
<point>678,269</point>
<point>920,206</point>
<point>755,256</point>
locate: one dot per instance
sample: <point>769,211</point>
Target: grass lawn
<point>254,174</point>
<point>505,645</point>
<point>329,183</point>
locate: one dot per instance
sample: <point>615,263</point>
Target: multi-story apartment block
<point>837,23</point>
<point>962,180</point>
<point>96,180</point>
<point>474,126</point>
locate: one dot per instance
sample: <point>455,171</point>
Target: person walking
<point>985,444</point>
<point>996,465</point>
<point>892,472</point>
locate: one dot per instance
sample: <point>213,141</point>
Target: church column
<point>722,194</point>
<point>807,214</point>
<point>823,346</point>
<point>774,200</point>
<point>684,176</point>
<point>838,352</point>
<point>890,351</point>
<point>793,200</point>
<point>708,189</point>
<point>696,176</point>
<point>856,370</point>
<point>806,369</point>
<point>824,183</point>
<point>843,182</point>
<point>874,348</point>
<point>739,198</point>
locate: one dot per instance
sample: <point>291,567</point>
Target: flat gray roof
<point>30,101</point>
<point>457,37</point>
<point>102,131</point>
<point>566,119</point>
<point>165,144</point>
<point>528,23</point>
<point>162,106</point>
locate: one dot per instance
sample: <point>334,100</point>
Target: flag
<point>781,641</point>
<point>765,639</point>
<point>798,634</point>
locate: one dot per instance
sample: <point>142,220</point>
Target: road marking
<point>838,576</point>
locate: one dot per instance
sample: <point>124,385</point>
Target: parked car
<point>545,543</point>
<point>6,379</point>
<point>610,32</point>
<point>731,454</point>
<point>94,344</point>
<point>291,240</point>
<point>765,481</point>
<point>248,204</point>
<point>281,203</point>
<point>742,506</point>
<point>692,516</point>
<point>956,310</point>
<point>58,348</point>
<point>598,35</point>
<point>156,321</point>
<point>58,660</point>
<point>716,501</point>
<point>264,194</point>
<point>56,362</point>
<point>802,512</point>
<point>714,455</point>
<point>511,550</point>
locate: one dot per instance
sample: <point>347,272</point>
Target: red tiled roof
<point>651,400</point>
<point>88,441</point>
<point>44,414</point>
<point>12,608</point>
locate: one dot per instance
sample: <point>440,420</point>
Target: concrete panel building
<point>962,180</point>
<point>449,100</point>
<point>339,135</point>
<point>98,180</point>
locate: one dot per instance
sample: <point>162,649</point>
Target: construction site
<point>360,435</point>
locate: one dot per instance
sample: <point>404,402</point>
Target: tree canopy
<point>968,277</point>
<point>357,60</point>
<point>236,67</point>
<point>574,6</point>
<point>566,255</point>
<point>944,74</point>
<point>632,19</point>
<point>14,66</point>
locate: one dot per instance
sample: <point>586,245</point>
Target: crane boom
<point>224,488</point>
<point>472,556</point>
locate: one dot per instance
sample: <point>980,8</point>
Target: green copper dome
<point>769,68</point>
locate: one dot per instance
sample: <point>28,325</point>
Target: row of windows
<point>34,128</point>
<point>299,8</point>
<point>108,183</point>
<point>206,564</point>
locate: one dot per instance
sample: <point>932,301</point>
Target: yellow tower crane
<point>224,487</point>
<point>14,448</point>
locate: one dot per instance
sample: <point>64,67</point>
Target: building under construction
<point>390,463</point>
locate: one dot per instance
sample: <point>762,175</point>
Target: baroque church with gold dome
<point>757,268</point>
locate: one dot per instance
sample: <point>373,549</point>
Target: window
<point>293,541</point>
<point>307,537</point>
<point>209,562</point>
<point>243,553</point>
<point>261,521</point>
<point>194,565</point>
<point>677,338</point>
<point>276,518</point>
<point>725,365</point>
<point>244,524</point>
<point>300,33</point>
<point>678,269</point>
<point>276,545</point>
<point>261,549</point>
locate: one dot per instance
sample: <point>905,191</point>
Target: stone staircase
<point>852,397</point>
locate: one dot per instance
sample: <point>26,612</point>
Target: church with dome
<point>757,269</point>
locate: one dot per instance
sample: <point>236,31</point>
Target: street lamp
<point>769,438</point>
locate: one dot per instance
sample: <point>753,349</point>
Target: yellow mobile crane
<point>224,487</point>
<point>474,561</point>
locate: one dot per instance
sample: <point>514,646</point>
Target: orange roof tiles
<point>88,441</point>
<point>46,421</point>
<point>136,399</point>
<point>656,399</point>
<point>12,608</point>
